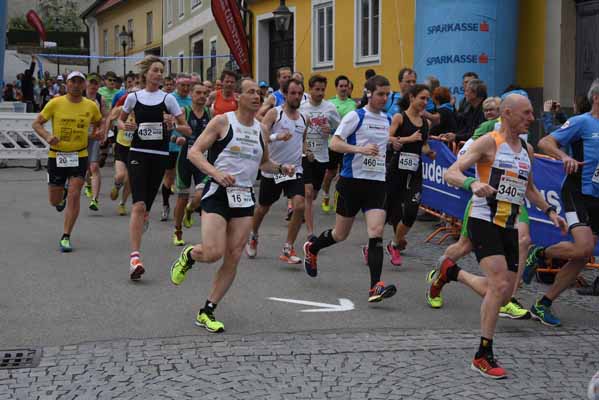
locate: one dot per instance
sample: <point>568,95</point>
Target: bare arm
<point>550,146</point>
<point>341,146</point>
<point>268,104</point>
<point>38,127</point>
<point>480,150</point>
<point>434,118</point>
<point>182,125</point>
<point>211,98</point>
<point>269,166</point>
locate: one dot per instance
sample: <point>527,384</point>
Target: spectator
<point>45,95</point>
<point>468,121</point>
<point>27,86</point>
<point>263,91</point>
<point>491,108</point>
<point>554,117</point>
<point>56,85</point>
<point>467,77</point>
<point>432,82</point>
<point>407,79</point>
<point>62,90</point>
<point>9,92</point>
<point>367,75</point>
<point>447,121</point>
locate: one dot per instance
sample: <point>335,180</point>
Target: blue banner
<point>548,176</point>
<point>457,36</point>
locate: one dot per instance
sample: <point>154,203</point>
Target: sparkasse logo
<point>458,27</point>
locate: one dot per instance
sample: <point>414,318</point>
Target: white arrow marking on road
<point>344,305</point>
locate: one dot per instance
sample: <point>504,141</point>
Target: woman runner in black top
<point>149,148</point>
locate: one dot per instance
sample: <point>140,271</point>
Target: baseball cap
<point>263,84</point>
<point>93,77</point>
<point>59,78</point>
<point>75,74</point>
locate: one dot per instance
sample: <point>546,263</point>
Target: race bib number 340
<point>511,190</point>
<point>67,160</point>
<point>240,197</point>
<point>374,164</point>
<point>150,131</point>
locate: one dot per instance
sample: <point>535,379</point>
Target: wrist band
<point>549,209</point>
<point>468,183</point>
<point>273,137</point>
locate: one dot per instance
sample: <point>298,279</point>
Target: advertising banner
<point>228,18</point>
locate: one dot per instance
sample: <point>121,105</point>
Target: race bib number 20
<point>67,160</point>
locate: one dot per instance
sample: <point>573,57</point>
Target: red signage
<point>483,59</point>
<point>484,26</point>
<point>228,18</point>
<point>34,20</point>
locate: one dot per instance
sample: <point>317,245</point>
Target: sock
<point>209,307</point>
<point>166,192</point>
<point>452,273</point>
<point>134,254</point>
<point>375,259</point>
<point>65,236</point>
<point>545,301</point>
<point>190,261</point>
<point>324,240</point>
<point>485,348</point>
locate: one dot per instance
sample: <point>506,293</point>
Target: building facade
<point>190,30</point>
<point>106,19</point>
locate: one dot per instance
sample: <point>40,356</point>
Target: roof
<point>100,6</point>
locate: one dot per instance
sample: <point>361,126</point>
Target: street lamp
<point>125,38</point>
<point>282,17</point>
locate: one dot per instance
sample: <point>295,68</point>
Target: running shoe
<point>207,320</point>
<point>365,254</point>
<point>289,255</point>
<point>394,253</point>
<point>251,248</point>
<point>379,292</point>
<point>514,310</point>
<point>88,191</point>
<point>188,217</point>
<point>165,212</point>
<point>544,315</point>
<point>136,268</point>
<point>181,265</point>
<point>178,238</point>
<point>61,206</point>
<point>488,367</point>
<point>65,245</point>
<point>434,302</point>
<point>93,205</point>
<point>310,260</point>
<point>325,205</point>
<point>532,263</point>
<point>114,193</point>
<point>121,209</point>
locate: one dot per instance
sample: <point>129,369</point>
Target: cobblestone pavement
<point>415,364</point>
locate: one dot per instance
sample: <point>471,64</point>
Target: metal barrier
<point>13,106</point>
<point>18,141</point>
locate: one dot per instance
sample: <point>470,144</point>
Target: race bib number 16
<point>240,197</point>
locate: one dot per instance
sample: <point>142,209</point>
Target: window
<point>181,8</point>
<point>130,30</point>
<point>195,3</point>
<point>368,32</point>
<point>169,12</point>
<point>149,27</point>
<point>105,40</point>
<point>322,34</point>
<point>211,73</point>
<point>117,42</point>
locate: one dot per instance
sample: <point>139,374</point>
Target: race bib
<point>314,145</point>
<point>150,131</point>
<point>240,197</point>
<point>511,190</point>
<point>409,161</point>
<point>374,164</point>
<point>67,160</point>
<point>280,178</point>
<point>596,175</point>
<point>128,135</point>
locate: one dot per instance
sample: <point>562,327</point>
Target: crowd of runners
<point>208,143</point>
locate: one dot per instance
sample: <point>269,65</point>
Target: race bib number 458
<point>409,161</point>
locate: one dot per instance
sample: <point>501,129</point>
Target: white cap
<point>75,74</point>
<point>59,78</point>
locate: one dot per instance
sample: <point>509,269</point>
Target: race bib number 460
<point>150,131</point>
<point>240,197</point>
<point>409,161</point>
<point>374,164</point>
<point>67,160</point>
<point>511,190</point>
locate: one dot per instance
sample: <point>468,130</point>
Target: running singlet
<point>149,108</point>
<point>238,154</point>
<point>408,159</point>
<point>222,105</point>
<point>70,124</point>
<point>279,98</point>
<point>289,152</point>
<point>360,128</point>
<point>508,173</point>
<point>196,124</point>
<point>582,133</point>
<point>317,116</point>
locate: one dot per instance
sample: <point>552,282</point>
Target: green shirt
<point>484,128</point>
<point>343,106</point>
<point>107,95</point>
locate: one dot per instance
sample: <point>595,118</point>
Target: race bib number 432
<point>240,197</point>
<point>150,131</point>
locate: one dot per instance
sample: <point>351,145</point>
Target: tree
<point>19,24</point>
<point>60,15</point>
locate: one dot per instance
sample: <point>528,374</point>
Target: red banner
<point>36,23</point>
<point>228,18</point>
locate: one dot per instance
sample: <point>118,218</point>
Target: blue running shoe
<point>532,262</point>
<point>544,315</point>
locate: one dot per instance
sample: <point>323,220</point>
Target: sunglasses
<point>111,80</point>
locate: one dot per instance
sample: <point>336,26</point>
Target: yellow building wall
<point>397,40</point>
<point>120,14</point>
<point>531,44</point>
